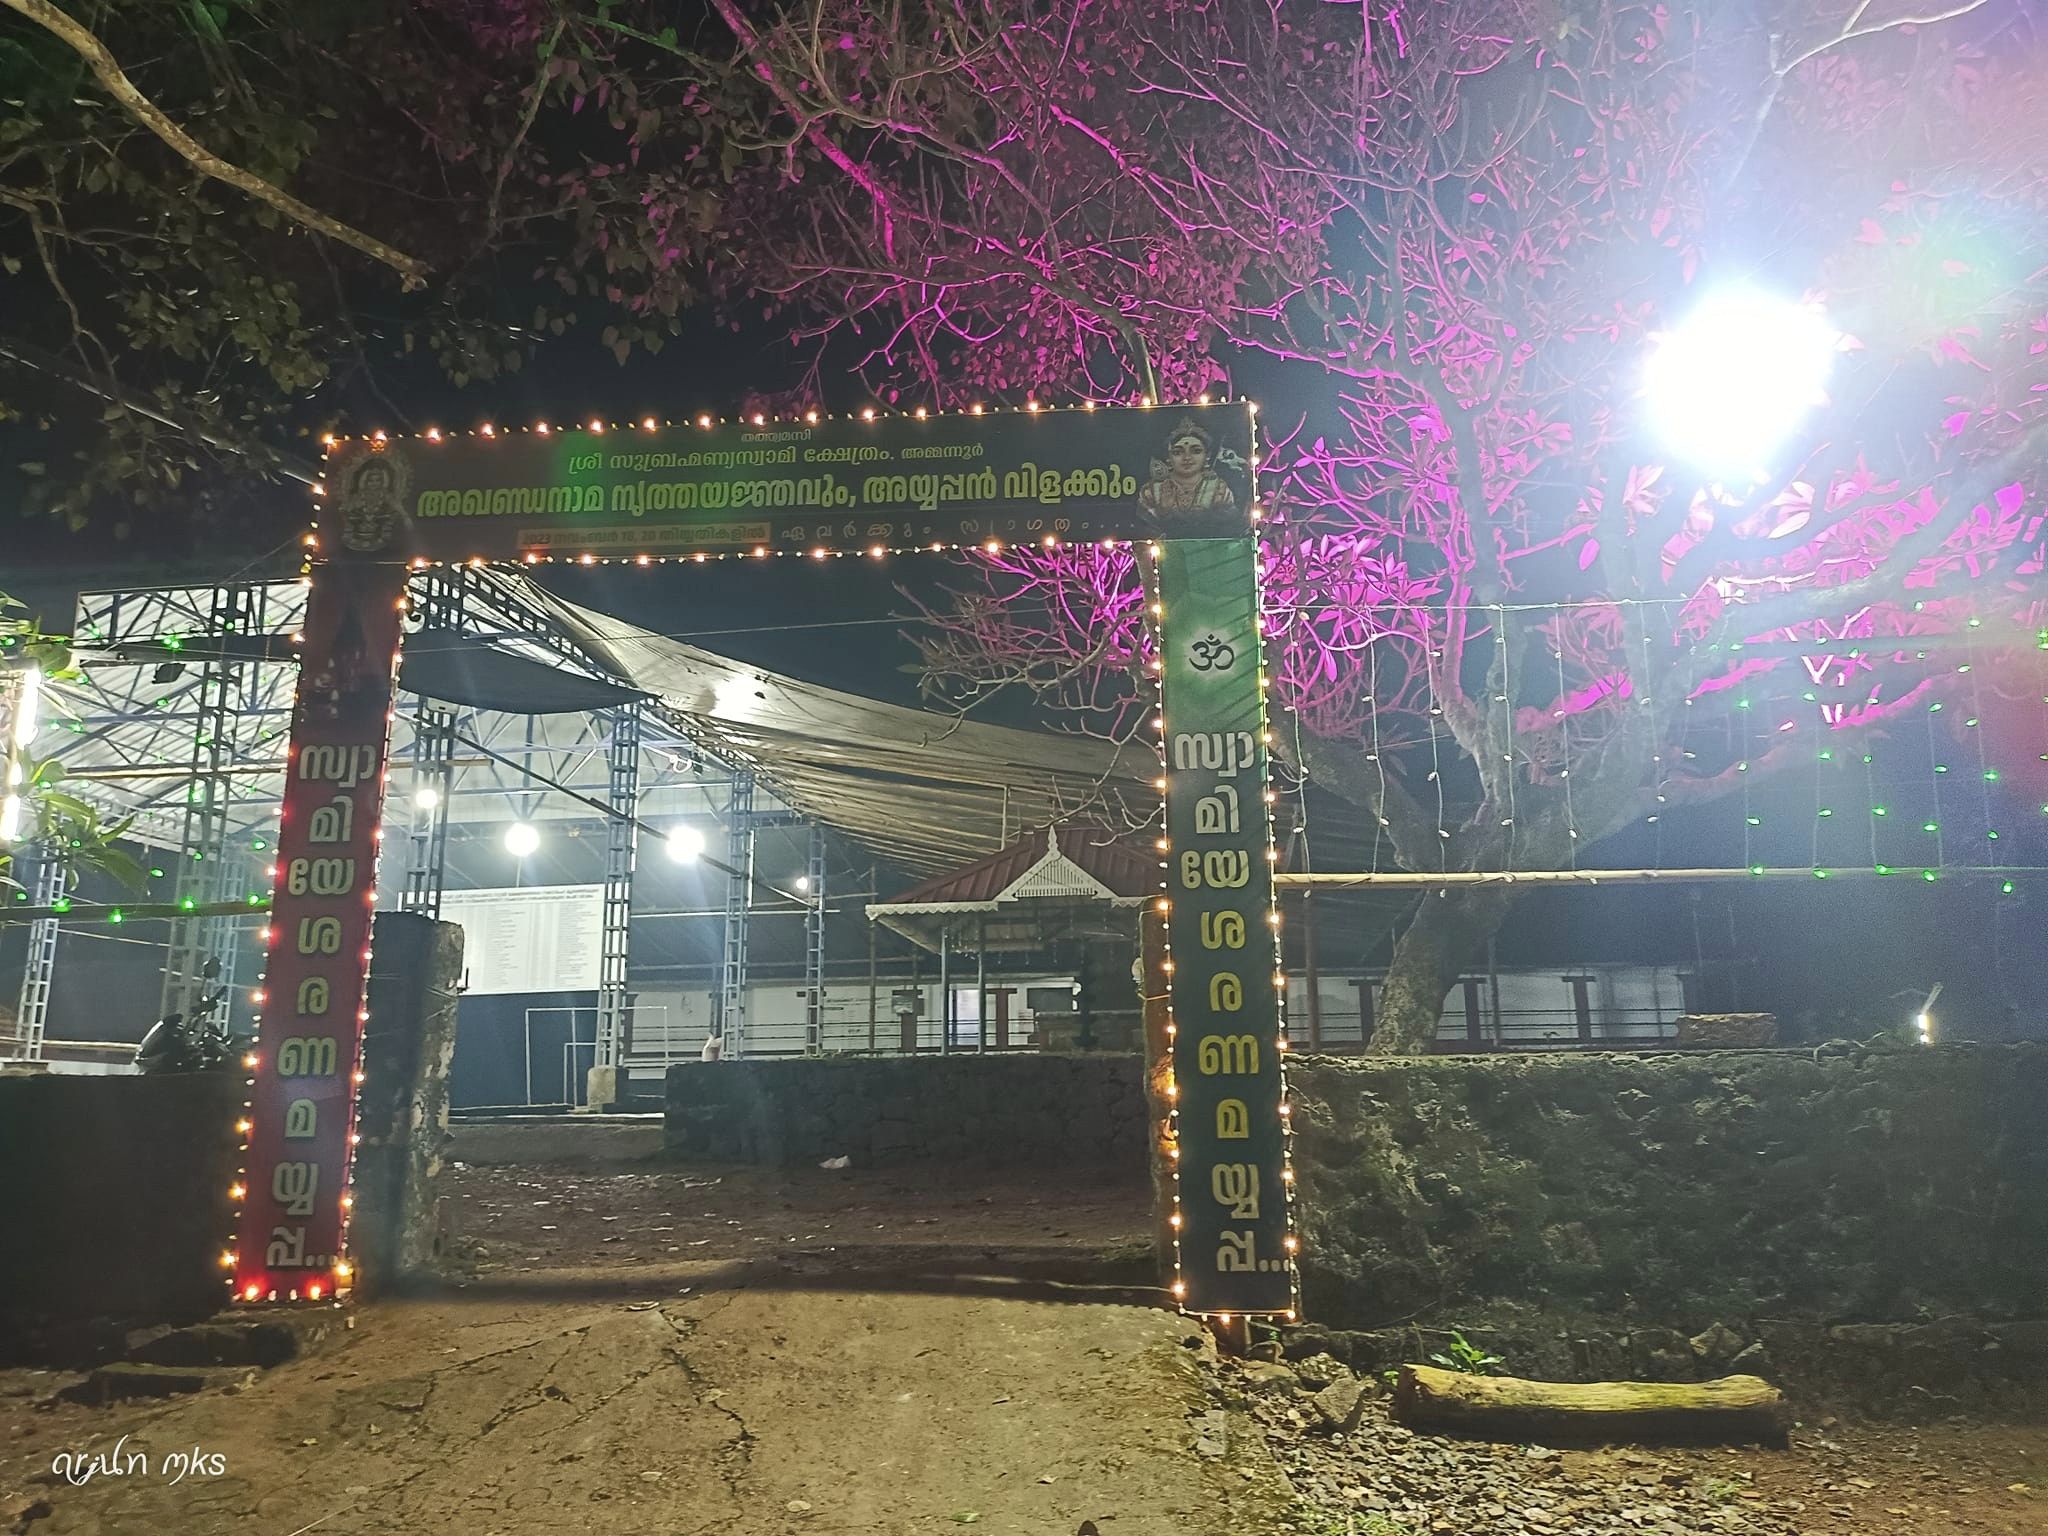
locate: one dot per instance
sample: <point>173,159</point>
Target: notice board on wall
<point>545,938</point>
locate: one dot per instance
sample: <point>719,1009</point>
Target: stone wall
<point>1626,1207</point>
<point>1023,1110</point>
<point>114,1197</point>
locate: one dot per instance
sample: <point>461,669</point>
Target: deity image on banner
<point>371,503</point>
<point>1196,487</point>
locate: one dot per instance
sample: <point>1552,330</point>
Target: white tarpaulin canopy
<point>925,790</point>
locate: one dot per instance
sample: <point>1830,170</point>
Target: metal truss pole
<point>620,829</point>
<point>433,783</point>
<point>814,945</point>
<point>739,859</point>
<point>203,870</point>
<point>438,606</point>
<point>33,1015</point>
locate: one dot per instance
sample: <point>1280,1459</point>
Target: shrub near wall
<point>1675,1190</point>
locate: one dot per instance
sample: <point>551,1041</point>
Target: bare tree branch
<point>108,71</point>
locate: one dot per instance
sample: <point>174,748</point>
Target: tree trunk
<point>1442,940</point>
<point>1739,1409</point>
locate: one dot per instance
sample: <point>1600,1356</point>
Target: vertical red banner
<point>306,1062</point>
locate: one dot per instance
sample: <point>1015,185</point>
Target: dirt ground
<point>661,1351</point>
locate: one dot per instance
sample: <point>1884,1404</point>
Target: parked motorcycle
<point>198,1043</point>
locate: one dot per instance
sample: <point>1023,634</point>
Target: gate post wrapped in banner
<point>1232,1213</point>
<point>305,1064</point>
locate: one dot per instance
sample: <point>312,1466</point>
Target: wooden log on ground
<point>1734,1410</point>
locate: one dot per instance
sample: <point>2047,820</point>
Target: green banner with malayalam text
<point>895,482</point>
<point>1234,1232</point>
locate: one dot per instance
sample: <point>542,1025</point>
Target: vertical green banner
<point>1235,1249</point>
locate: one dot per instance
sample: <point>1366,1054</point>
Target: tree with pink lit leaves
<point>1454,245</point>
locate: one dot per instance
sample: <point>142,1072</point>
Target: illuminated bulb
<point>227,1260</point>
<point>541,427</point>
<point>597,426</point>
<point>1728,384</point>
<point>867,413</point>
<point>433,434</point>
<point>238,1192</point>
<point>488,430</point>
<point>1031,405</point>
<point>877,551</point>
<point>918,413</point>
<point>251,1292</point>
<point>760,420</point>
<point>342,1271</point>
<point>703,421</point>
<point>244,1127</point>
<point>521,839</point>
<point>685,844</point>
<point>249,1060</point>
<point>647,425</point>
<point>811,417</point>
<point>975,409</point>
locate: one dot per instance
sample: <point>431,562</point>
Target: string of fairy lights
<point>1893,846</point>
<point>1291,1241</point>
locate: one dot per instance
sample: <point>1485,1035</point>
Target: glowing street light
<point>801,885</point>
<point>521,839</point>
<point>1730,383</point>
<point>685,844</point>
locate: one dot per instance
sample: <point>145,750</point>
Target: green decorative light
<point>1991,775</point>
<point>1820,874</point>
<point>1878,810</point>
<point>1941,767</point>
<point>1934,708</point>
<point>156,874</point>
<point>187,904</point>
<point>259,845</point>
<point>114,915</point>
<point>1884,869</point>
<point>61,904</point>
<point>1756,869</point>
<point>1827,757</point>
<point>1756,821</point>
<point>1826,812</point>
<point>1929,875</point>
<point>174,643</point>
<point>2006,888</point>
<point>1742,703</point>
<point>1930,826</point>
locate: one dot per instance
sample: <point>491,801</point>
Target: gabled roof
<point>1076,863</point>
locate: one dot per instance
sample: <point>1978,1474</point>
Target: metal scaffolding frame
<point>32,1015</point>
<point>205,867</point>
<point>814,943</point>
<point>181,720</point>
<point>621,838</point>
<point>739,882</point>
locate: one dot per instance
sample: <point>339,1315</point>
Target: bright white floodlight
<point>685,844</point>
<point>1733,380</point>
<point>426,797</point>
<point>521,838</point>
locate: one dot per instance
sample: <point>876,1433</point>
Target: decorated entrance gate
<point>1177,481</point>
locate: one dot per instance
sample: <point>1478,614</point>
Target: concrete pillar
<point>402,1116</point>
